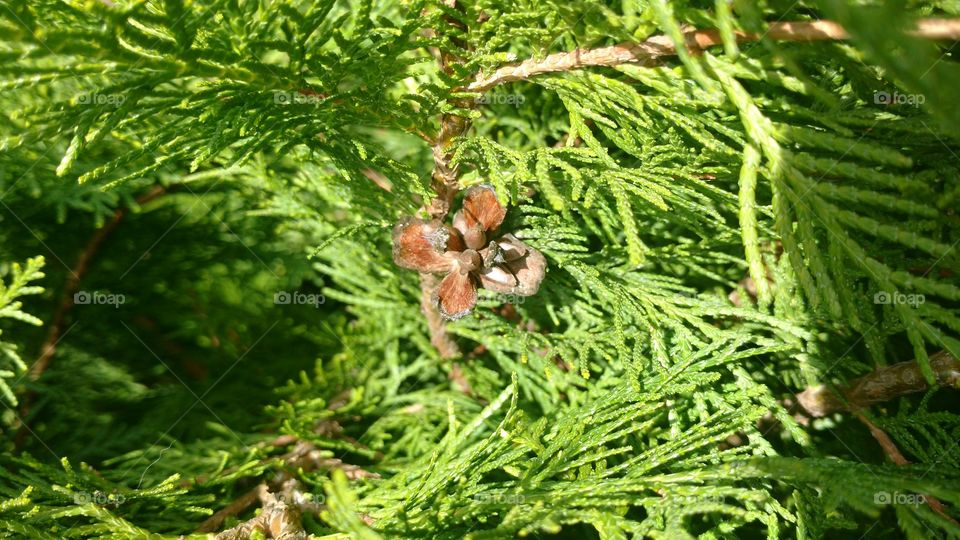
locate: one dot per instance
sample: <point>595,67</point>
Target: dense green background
<point>629,398</point>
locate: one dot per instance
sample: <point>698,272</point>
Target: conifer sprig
<point>15,285</point>
<point>741,206</point>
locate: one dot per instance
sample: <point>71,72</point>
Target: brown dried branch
<point>892,452</point>
<point>285,486</point>
<point>649,52</point>
<point>238,506</point>
<point>881,385</point>
<point>70,287</point>
<point>889,447</point>
<point>378,178</point>
<point>72,284</point>
<point>307,457</point>
<point>278,520</point>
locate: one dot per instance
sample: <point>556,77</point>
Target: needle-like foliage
<point>228,343</point>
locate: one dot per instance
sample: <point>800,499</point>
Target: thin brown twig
<point>649,52</point>
<point>889,447</point>
<point>236,507</point>
<point>71,286</point>
<point>892,452</point>
<point>285,486</point>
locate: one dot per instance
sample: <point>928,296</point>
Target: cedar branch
<point>648,53</point>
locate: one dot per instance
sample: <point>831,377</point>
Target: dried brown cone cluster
<point>468,254</point>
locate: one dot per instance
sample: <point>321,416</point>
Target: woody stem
<point>650,52</point>
<point>445,182</point>
<point>439,337</point>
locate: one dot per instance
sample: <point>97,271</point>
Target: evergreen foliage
<point>212,184</point>
<point>20,277</point>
